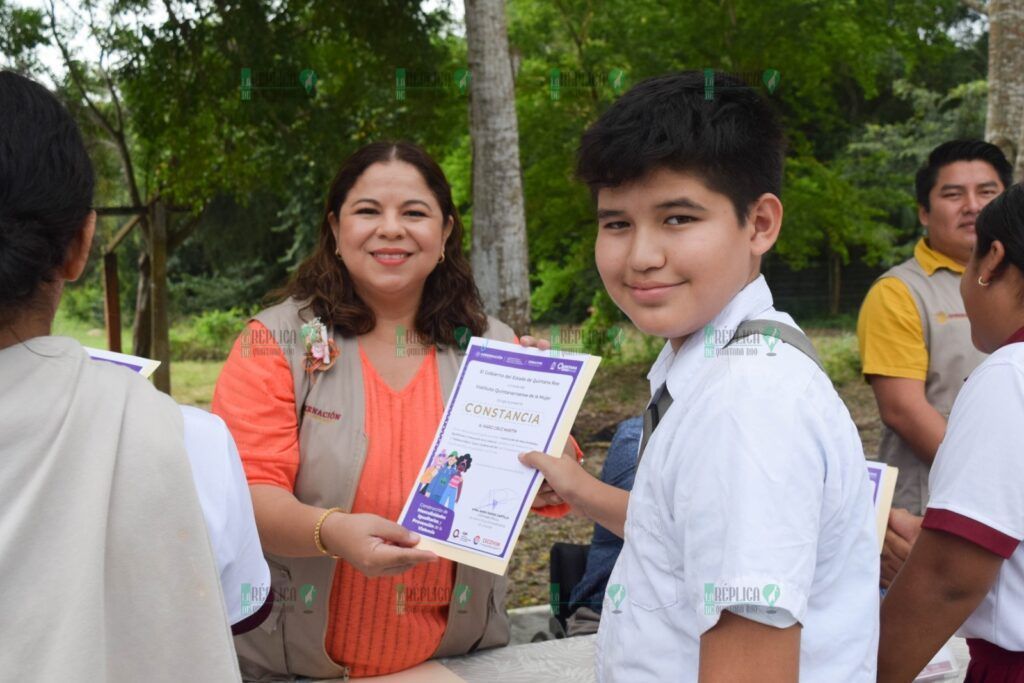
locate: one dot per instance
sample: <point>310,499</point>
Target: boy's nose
<point>646,252</point>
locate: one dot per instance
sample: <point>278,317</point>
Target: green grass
<point>192,381</point>
<point>86,334</point>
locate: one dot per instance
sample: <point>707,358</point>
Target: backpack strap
<point>772,329</point>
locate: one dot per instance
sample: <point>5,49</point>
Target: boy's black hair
<point>46,188</point>
<point>959,150</point>
<point>1003,219</point>
<point>733,141</point>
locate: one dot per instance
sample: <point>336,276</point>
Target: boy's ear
<point>766,216</point>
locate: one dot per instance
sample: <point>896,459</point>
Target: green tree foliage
<point>882,159</point>
<point>866,89</point>
<point>837,62</point>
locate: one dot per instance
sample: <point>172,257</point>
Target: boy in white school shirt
<point>750,552</point>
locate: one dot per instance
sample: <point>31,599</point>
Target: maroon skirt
<point>992,664</point>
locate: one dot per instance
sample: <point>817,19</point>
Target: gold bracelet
<point>316,534</point>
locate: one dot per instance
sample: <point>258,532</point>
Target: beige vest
<point>108,573</point>
<point>951,357</point>
<point>332,447</point>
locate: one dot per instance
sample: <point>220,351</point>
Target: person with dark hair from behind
<point>915,342</point>
<point>750,551</point>
<point>965,572</point>
<point>618,471</point>
<point>112,494</point>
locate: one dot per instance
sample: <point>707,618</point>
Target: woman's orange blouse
<point>377,625</point>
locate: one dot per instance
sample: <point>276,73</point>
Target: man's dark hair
<point>733,141</point>
<point>959,150</point>
<point>46,189</point>
<point>1003,219</point>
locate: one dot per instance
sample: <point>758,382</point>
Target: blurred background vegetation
<point>865,90</point>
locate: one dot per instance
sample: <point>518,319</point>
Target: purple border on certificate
<point>510,359</point>
<point>136,368</point>
<point>875,475</point>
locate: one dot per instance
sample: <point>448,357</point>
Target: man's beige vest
<point>332,444</point>
<point>951,357</point>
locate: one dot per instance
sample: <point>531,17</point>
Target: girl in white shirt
<point>966,569</point>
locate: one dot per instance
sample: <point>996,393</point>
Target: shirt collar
<point>931,260</point>
<point>1017,336</point>
<point>676,367</point>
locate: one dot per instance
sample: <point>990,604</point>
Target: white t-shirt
<point>227,508</point>
<point>977,488</point>
<point>752,496</point>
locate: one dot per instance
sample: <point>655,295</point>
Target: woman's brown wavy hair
<point>450,297</point>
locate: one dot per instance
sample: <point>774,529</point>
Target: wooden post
<point>111,301</point>
<point>161,349</point>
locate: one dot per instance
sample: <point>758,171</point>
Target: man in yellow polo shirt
<point>915,340</point>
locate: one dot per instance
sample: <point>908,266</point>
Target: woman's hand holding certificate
<point>373,545</point>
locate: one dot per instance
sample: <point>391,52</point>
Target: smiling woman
<point>390,205</point>
<point>389,262</point>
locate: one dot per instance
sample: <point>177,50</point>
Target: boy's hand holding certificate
<point>473,494</point>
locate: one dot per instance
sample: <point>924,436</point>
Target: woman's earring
<point>982,282</point>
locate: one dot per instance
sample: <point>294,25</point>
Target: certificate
<point>143,366</point>
<point>472,494</point>
<point>883,486</point>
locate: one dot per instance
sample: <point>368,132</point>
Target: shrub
<point>207,336</point>
<point>840,356</point>
<point>84,302</point>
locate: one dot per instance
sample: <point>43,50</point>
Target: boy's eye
<point>616,225</point>
<point>680,220</point>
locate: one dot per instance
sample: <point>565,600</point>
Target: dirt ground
<point>619,392</point>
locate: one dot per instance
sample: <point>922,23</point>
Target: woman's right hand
<point>373,545</point>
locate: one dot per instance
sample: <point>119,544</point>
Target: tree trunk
<point>1004,125</point>
<point>142,330</point>
<point>158,296</point>
<point>500,254</point>
<point>835,276</point>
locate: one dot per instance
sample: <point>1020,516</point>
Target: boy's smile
<point>671,252</point>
